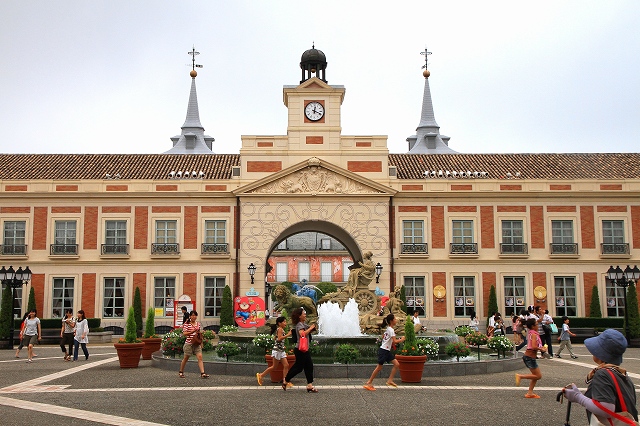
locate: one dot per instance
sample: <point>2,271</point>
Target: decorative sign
<point>249,311</point>
<point>177,309</point>
<point>540,293</point>
<point>439,292</point>
<point>252,292</point>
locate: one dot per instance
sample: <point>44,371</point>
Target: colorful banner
<point>249,311</point>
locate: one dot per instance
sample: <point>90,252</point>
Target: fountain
<point>334,322</point>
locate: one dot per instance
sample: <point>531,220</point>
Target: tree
<point>403,297</point>
<point>137,309</point>
<point>632,307</point>
<point>594,307</point>
<point>6,314</point>
<point>493,303</point>
<point>31,306</point>
<point>149,326</point>
<point>226,308</point>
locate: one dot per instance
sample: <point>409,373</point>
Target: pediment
<point>315,177</point>
<point>314,83</point>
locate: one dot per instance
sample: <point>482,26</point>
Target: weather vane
<point>193,54</point>
<point>426,54</point>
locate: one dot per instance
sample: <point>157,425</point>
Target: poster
<point>249,311</point>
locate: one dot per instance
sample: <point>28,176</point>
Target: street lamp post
<point>623,279</point>
<point>252,271</point>
<point>378,272</point>
<point>14,279</point>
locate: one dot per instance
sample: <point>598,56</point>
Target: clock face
<point>314,111</point>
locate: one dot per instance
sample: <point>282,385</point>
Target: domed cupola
<point>313,61</point>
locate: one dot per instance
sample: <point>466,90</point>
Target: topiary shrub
<point>403,297</point>
<point>130,332</point>
<point>149,326</point>
<point>632,306</point>
<point>226,307</point>
<point>492,306</point>
<point>31,304</point>
<point>594,306</point>
<point>137,309</point>
<point>6,314</point>
<point>346,353</point>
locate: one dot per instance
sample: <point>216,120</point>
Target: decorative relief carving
<point>314,180</point>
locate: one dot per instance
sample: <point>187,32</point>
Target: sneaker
<point>558,356</point>
<point>574,356</point>
<point>29,360</point>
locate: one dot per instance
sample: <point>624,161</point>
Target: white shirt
<point>387,338</point>
<point>82,331</point>
<point>416,320</point>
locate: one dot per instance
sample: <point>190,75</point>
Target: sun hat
<point>608,346</point>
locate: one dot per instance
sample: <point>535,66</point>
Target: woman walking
<point>66,334</point>
<point>384,352</point>
<point>81,336</point>
<point>278,353</point>
<point>303,359</point>
<point>189,330</point>
<point>31,333</point>
<point>534,344</point>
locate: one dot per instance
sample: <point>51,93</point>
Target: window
<point>565,288</point>
<point>345,270</point>
<point>213,288</point>
<point>615,299</point>
<point>462,238</point>
<point>514,296</point>
<point>17,303</point>
<point>115,237</point>
<point>613,237</point>
<point>413,240</point>
<point>164,294</point>
<point>325,244</point>
<point>166,237</point>
<point>562,237</point>
<point>414,292</point>
<point>326,269</point>
<point>282,245</point>
<point>303,271</point>
<point>215,237</point>
<point>14,238</point>
<point>464,296</point>
<point>282,272</point>
<point>113,298</point>
<point>62,296</point>
<point>512,238</point>
<point>65,237</point>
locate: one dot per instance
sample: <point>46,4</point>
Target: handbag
<point>196,339</point>
<point>554,328</point>
<point>303,344</point>
<point>622,418</point>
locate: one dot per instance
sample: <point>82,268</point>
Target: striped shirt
<point>189,328</point>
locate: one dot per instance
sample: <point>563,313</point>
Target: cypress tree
<point>403,297</point>
<point>31,305</point>
<point>594,307</point>
<point>137,309</point>
<point>632,307</point>
<point>6,314</point>
<point>226,308</point>
<point>493,303</point>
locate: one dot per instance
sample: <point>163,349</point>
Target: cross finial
<point>313,44</point>
<point>193,54</point>
<point>426,54</point>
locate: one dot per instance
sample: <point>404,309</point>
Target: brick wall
<point>437,227</point>
<point>140,280</point>
<point>537,227</point>
<point>264,166</point>
<point>587,227</point>
<point>590,279</point>
<point>487,237</point>
<point>89,294</point>
<point>37,283</point>
<point>488,280</point>
<point>189,280</point>
<point>439,278</point>
<point>540,279</point>
<point>141,227</point>
<point>364,166</point>
<point>40,222</point>
<point>635,227</point>
<point>90,229</point>
<point>191,227</point>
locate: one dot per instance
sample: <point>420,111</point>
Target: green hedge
<point>57,323</point>
<point>584,322</point>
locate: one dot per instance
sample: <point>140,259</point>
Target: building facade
<point>542,228</point>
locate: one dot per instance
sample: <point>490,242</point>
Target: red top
<point>190,328</point>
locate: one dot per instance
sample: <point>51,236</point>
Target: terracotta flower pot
<point>276,373</point>
<point>411,367</point>
<point>151,345</point>
<point>129,354</point>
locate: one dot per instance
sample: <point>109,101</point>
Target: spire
<point>192,140</point>
<point>428,139</point>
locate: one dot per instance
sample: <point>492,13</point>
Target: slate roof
<point>531,166</point>
<point>409,166</point>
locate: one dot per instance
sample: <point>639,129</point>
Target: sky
<point>112,76</point>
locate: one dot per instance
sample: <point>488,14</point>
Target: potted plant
<point>411,357</point>
<point>477,339</point>
<point>150,339</point>
<point>500,344</point>
<point>345,354</point>
<point>457,349</point>
<point>227,349</point>
<point>129,348</point>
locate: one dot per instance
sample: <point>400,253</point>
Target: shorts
<point>530,362</point>
<point>188,349</point>
<point>29,340</point>
<point>385,356</point>
<point>275,354</point>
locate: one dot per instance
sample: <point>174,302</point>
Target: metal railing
<point>564,248</point>
<point>216,248</point>
<point>614,248</point>
<point>165,248</point>
<point>9,249</point>
<point>464,248</point>
<point>514,248</point>
<point>115,248</point>
<point>64,249</point>
<point>413,248</point>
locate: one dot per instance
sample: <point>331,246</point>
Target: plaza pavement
<point>51,391</point>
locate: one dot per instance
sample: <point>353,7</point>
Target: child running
<point>385,354</point>
<point>534,344</point>
<point>565,338</point>
<point>278,353</point>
